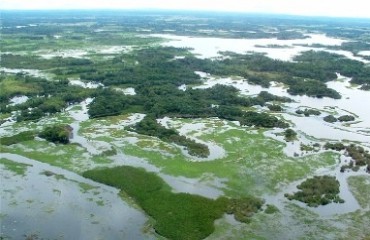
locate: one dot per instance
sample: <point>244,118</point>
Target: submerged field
<point>117,130</point>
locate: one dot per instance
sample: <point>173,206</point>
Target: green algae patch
<point>17,168</point>
<point>176,215</point>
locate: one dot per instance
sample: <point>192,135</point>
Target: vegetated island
<point>319,190</point>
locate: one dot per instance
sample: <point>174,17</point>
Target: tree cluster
<point>319,190</point>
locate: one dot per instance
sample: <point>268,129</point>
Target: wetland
<point>200,126</point>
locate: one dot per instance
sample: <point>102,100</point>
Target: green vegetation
<point>360,156</point>
<point>149,126</point>
<point>108,102</point>
<point>56,133</point>
<point>346,118</point>
<point>360,187</point>
<point>302,77</point>
<point>117,50</point>
<point>330,119</point>
<point>307,112</point>
<point>271,209</point>
<point>319,190</point>
<point>244,208</point>
<point>255,164</point>
<point>329,63</point>
<point>262,120</point>
<point>46,97</point>
<point>275,108</point>
<point>10,87</point>
<point>313,88</point>
<point>176,215</point>
<point>18,168</point>
<point>290,134</point>
<point>20,137</point>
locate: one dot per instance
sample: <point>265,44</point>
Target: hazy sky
<point>345,8</point>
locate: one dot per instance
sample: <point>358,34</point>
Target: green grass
<point>360,188</point>
<point>20,137</point>
<point>271,209</point>
<point>254,164</point>
<point>17,168</point>
<point>357,226</point>
<point>11,87</point>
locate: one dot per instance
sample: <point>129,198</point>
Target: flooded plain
<point>76,208</point>
<point>285,50</point>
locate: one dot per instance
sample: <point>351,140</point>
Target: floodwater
<point>31,72</point>
<point>351,103</point>
<point>18,100</point>
<point>208,47</point>
<point>350,203</point>
<point>80,83</point>
<point>82,53</point>
<point>55,208</point>
<point>209,188</point>
<point>215,151</point>
<point>70,212</point>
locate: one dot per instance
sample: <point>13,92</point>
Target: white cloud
<point>353,8</point>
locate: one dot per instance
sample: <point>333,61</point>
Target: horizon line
<point>185,10</point>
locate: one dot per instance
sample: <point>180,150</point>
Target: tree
<point>56,133</point>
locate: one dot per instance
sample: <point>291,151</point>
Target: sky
<point>331,8</point>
